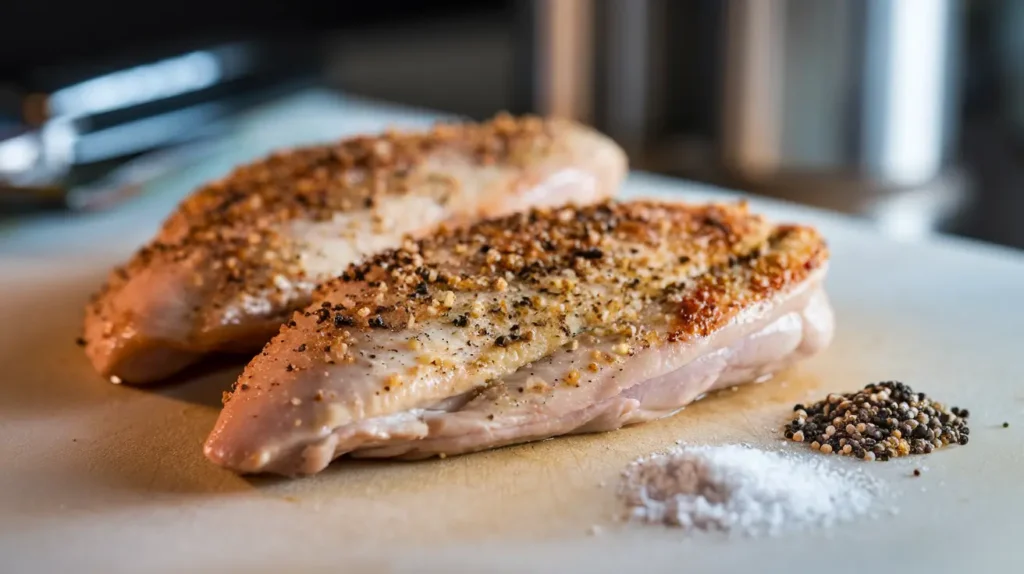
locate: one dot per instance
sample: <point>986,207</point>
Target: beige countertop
<point>98,477</point>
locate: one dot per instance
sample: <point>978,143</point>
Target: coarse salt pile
<point>740,489</point>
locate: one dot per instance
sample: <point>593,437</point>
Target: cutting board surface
<point>100,477</point>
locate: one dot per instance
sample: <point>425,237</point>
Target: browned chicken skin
<point>529,326</point>
<point>241,254</point>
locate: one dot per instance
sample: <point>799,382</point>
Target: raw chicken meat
<point>241,254</point>
<point>555,321</point>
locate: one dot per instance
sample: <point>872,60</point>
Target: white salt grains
<point>743,490</point>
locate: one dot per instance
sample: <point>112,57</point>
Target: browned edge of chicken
<point>242,253</point>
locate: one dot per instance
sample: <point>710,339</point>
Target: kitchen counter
<point>99,477</point>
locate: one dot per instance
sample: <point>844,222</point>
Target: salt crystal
<point>737,488</point>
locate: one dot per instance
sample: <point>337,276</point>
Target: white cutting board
<point>98,477</point>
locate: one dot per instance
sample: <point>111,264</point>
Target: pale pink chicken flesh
<point>528,327</point>
<point>241,254</point>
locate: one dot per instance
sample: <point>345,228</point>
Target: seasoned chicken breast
<point>534,325</point>
<point>241,254</point>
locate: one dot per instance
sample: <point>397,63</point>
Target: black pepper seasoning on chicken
<point>239,255</point>
<point>552,318</point>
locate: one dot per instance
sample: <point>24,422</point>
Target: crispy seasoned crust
<point>646,271</point>
<point>236,219</point>
<point>639,249</point>
<point>319,181</point>
<point>788,257</point>
<point>240,254</point>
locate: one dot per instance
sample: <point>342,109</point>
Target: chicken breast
<point>241,254</point>
<point>534,325</point>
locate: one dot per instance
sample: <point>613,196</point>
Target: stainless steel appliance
<point>866,88</point>
<point>846,104</point>
<point>851,104</point>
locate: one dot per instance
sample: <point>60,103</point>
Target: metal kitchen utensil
<point>97,141</point>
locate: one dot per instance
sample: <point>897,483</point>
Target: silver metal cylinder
<point>854,89</point>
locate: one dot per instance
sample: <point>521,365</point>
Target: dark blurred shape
<point>992,146</point>
<point>906,112</point>
<point>41,39</point>
<point>89,91</point>
<point>82,144</point>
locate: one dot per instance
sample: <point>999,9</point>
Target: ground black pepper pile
<point>882,421</point>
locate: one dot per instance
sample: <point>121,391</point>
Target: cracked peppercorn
<point>882,421</point>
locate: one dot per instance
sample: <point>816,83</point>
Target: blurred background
<point>907,113</point>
